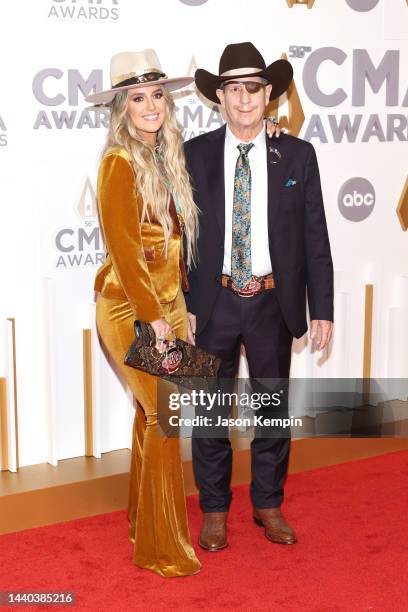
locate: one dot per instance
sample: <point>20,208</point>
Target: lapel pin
<point>276,156</point>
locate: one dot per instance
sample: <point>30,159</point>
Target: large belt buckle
<point>252,288</point>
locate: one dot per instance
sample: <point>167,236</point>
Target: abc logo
<point>193,2</point>
<point>356,199</point>
<point>362,6</point>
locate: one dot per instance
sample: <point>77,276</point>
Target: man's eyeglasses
<point>237,87</point>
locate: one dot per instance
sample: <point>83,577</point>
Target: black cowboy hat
<point>244,60</point>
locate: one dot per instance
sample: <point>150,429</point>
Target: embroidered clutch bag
<point>182,363</point>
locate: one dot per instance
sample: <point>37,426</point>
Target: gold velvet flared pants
<point>157,509</point>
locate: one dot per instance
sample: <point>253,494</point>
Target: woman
<point>144,199</point>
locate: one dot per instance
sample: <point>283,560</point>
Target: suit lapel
<point>214,162</point>
<point>276,173</point>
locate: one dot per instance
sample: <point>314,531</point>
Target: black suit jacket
<point>298,239</point>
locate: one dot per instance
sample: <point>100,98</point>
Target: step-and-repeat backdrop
<point>59,396</point>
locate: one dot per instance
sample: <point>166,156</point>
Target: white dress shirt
<point>260,257</point>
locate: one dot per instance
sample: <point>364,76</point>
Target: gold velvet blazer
<point>135,268</point>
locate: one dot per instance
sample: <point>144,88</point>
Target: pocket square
<point>290,183</point>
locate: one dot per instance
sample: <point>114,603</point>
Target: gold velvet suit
<point>138,282</point>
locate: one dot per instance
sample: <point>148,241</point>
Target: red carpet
<point>352,553</point>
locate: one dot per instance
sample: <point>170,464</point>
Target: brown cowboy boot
<point>213,535</point>
<point>276,528</point>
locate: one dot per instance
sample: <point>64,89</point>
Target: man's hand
<point>321,331</point>
<point>191,329</point>
<point>271,128</point>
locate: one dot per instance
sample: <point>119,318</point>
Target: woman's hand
<point>272,127</point>
<point>163,333</point>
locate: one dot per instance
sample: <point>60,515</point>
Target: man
<point>263,241</point>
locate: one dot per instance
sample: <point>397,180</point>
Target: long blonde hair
<point>152,185</point>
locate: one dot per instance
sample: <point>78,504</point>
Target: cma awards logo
<point>382,77</point>
<point>356,199</point>
<point>60,91</point>
<point>81,246</point>
<point>84,10</point>
<point>3,133</point>
<point>196,118</point>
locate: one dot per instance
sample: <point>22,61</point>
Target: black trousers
<point>256,322</point>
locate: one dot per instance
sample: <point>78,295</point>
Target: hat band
<point>236,71</point>
<point>148,77</point>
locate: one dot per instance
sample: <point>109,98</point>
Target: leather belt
<point>257,285</point>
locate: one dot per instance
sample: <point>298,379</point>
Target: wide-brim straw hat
<point>136,69</point>
<point>244,60</point>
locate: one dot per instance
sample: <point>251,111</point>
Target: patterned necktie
<point>241,267</point>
